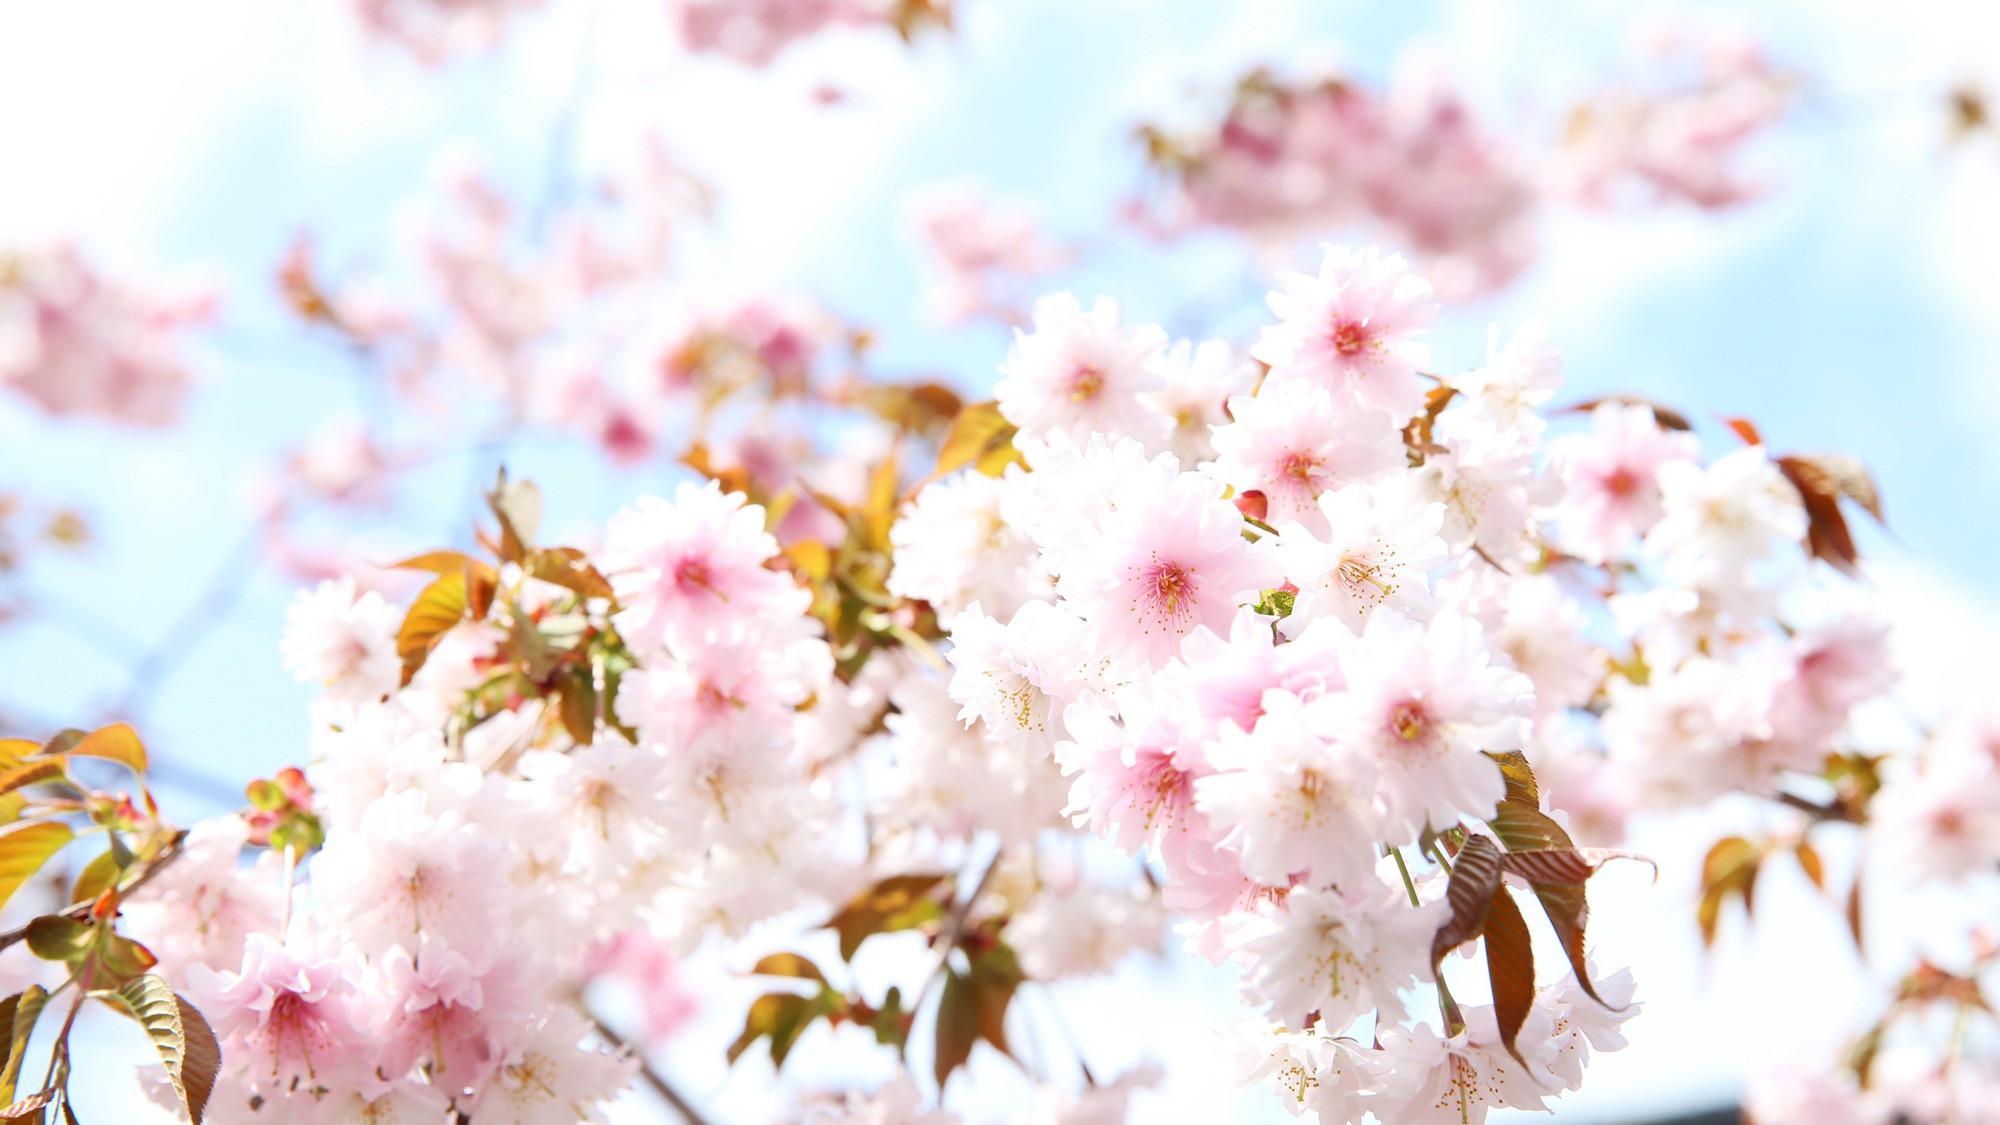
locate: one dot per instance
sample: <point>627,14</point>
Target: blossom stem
<point>653,1078</point>
<point>1409,884</point>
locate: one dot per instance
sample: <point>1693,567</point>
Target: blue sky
<point>1850,310</point>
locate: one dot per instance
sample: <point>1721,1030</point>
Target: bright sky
<point>1851,311</point>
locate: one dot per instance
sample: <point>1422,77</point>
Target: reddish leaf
<point>1521,787</point>
<point>1524,828</point>
<point>957,1026</point>
<point>1822,481</point>
<point>1746,429</point>
<point>1667,417</point>
<point>1474,878</point>
<point>1563,865</point>
<point>1510,967</point>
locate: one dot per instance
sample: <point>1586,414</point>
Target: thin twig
<point>652,1077</point>
<point>81,910</point>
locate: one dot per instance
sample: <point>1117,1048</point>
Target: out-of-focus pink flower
<point>649,971</point>
<point>986,251</point>
<point>754,32</point>
<point>76,342</point>
<point>1679,136</point>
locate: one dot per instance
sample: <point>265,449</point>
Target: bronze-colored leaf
<point>1822,481</point>
<point>1729,870</point>
<point>900,902</point>
<point>1564,865</point>
<point>979,437</point>
<point>33,773</point>
<point>440,606</point>
<point>788,965</point>
<point>1809,863</point>
<point>186,1044</point>
<point>1745,429</point>
<point>567,567</point>
<point>578,705</point>
<point>116,743</point>
<point>517,504</point>
<point>1510,967</point>
<point>1521,787</point>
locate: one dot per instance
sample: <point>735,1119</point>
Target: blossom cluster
<point>1417,166</point>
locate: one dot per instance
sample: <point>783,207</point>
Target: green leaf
<point>186,1044</point>
<point>788,965</point>
<point>53,937</point>
<point>957,1026</point>
<point>1510,967</point>
<point>25,849</point>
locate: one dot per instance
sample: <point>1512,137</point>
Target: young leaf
<point>33,773</point>
<point>1521,787</point>
<point>441,605</point>
<point>1564,865</point>
<point>778,1016</point>
<point>900,902</point>
<point>1525,828</point>
<point>567,567</point>
<point>118,743</point>
<point>22,1010</point>
<point>979,437</point>
<point>1809,863</point>
<point>957,1026</point>
<point>1510,967</point>
<point>25,849</point>
<point>53,937</point>
<point>788,965</point>
<point>1822,481</point>
<point>1474,879</point>
<point>578,706</point>
<point>1729,869</point>
<point>186,1043</point>
<point>994,977</point>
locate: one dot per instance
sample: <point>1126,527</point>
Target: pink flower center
<point>1085,382</point>
<point>692,574</point>
<point>1349,338</point>
<point>1172,584</point>
<point>1409,721</point>
<point>1622,483</point>
<point>1302,468</point>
